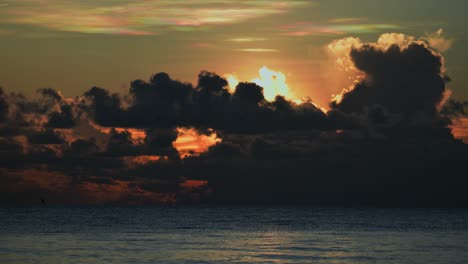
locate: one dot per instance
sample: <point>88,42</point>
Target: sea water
<point>232,235</point>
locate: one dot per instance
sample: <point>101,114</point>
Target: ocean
<point>232,235</point>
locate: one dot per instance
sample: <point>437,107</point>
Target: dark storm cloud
<point>386,143</point>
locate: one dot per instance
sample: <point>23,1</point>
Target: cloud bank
<point>386,141</point>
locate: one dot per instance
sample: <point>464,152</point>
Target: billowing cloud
<point>342,51</point>
<point>417,81</point>
<point>136,18</point>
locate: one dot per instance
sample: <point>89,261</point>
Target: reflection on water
<point>236,235</point>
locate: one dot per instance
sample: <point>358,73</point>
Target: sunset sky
<point>74,45</point>
<point>323,102</point>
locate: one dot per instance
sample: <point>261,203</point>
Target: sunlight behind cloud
<point>273,83</point>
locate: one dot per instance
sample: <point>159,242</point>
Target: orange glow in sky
<point>460,129</point>
<point>190,142</point>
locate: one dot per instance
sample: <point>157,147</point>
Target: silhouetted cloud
<point>166,103</point>
<point>406,80</point>
<point>386,141</point>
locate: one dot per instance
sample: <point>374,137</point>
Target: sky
<point>74,45</point>
<point>233,102</point>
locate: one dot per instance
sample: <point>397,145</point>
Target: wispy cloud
<point>336,27</point>
<point>247,39</point>
<point>204,45</point>
<point>257,50</point>
<point>347,20</point>
<point>438,41</point>
<point>136,17</point>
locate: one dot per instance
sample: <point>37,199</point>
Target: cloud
<point>346,20</point>
<point>454,108</point>
<point>257,50</point>
<point>247,39</point>
<point>51,93</point>
<point>371,171</point>
<point>62,119</point>
<point>389,141</point>
<point>438,41</point>
<point>46,137</point>
<point>137,18</point>
<point>335,27</point>
<point>340,50</point>
<point>405,76</point>
<point>166,103</point>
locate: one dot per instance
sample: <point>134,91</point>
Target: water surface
<point>232,235</point>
